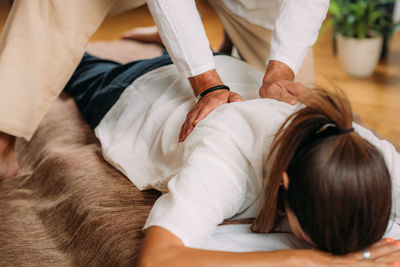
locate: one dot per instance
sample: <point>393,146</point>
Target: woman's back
<point>139,135</point>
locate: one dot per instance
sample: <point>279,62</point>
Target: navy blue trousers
<point>98,83</point>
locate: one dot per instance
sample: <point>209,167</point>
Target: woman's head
<point>339,187</point>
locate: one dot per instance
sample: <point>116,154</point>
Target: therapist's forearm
<point>204,81</point>
<point>183,35</point>
<point>296,30</point>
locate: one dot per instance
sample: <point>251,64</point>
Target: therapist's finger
<point>208,107</point>
<point>300,91</point>
<point>288,92</point>
<point>186,130</point>
<point>234,97</point>
<point>290,99</point>
<point>192,120</point>
<point>182,131</point>
<point>184,127</point>
<point>211,102</point>
<point>204,107</point>
<point>188,124</point>
<point>283,95</point>
<point>281,90</point>
<point>187,133</point>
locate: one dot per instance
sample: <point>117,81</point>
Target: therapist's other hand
<point>278,83</point>
<point>206,105</point>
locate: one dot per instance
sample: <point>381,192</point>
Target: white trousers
<point>41,45</point>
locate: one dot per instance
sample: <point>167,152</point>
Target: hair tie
<point>334,128</point>
<point>344,131</point>
<point>328,129</point>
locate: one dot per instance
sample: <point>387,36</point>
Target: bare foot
<point>8,159</point>
<point>144,34</point>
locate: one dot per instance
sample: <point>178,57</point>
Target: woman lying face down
<point>333,186</point>
<point>305,163</point>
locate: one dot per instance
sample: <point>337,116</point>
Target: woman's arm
<point>162,248</point>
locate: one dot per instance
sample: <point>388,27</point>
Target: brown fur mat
<point>67,206</point>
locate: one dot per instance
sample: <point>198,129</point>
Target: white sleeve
<point>296,30</point>
<point>208,189</point>
<point>392,159</point>
<point>183,34</point>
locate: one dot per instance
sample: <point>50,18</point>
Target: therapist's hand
<point>278,83</point>
<point>208,103</point>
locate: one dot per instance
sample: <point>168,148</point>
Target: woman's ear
<point>285,180</point>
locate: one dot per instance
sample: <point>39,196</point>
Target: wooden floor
<point>375,99</point>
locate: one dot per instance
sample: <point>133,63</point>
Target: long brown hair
<point>339,189</point>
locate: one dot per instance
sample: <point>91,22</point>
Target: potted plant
<point>359,27</point>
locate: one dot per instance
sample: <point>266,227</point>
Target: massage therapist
<point>43,42</point>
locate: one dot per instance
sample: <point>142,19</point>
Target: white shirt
<point>295,25</point>
<point>217,173</point>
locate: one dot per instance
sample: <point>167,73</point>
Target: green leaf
<point>334,9</point>
<point>358,9</point>
<point>327,25</point>
<point>375,15</point>
<point>357,18</point>
<point>361,29</point>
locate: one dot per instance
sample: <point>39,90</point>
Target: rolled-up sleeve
<point>296,30</point>
<point>183,34</point>
<point>208,189</point>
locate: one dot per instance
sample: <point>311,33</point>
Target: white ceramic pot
<point>359,57</point>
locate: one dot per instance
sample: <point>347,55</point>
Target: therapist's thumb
<point>234,97</point>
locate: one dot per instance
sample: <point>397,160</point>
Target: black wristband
<point>212,89</point>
